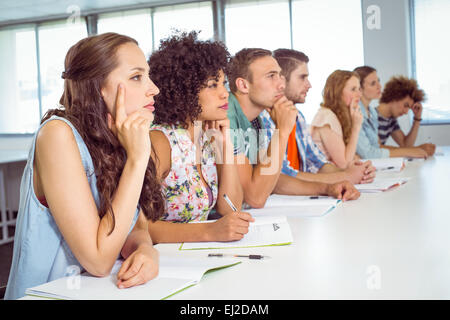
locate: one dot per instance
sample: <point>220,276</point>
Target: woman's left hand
<point>219,125</point>
<point>220,130</point>
<point>141,266</point>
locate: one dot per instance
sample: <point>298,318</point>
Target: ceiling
<point>22,11</point>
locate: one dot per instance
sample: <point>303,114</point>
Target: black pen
<point>250,256</point>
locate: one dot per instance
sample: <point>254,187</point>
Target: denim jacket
<point>368,145</point>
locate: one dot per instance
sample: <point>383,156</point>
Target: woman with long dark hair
<point>89,185</point>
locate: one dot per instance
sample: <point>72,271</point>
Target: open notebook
<point>381,184</point>
<point>175,275</point>
<point>388,164</point>
<point>296,206</point>
<point>265,231</point>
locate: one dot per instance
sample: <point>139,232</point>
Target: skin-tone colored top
<point>323,117</point>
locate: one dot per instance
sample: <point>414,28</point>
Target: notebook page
<point>278,200</point>
<point>265,231</point>
<point>175,274</point>
<point>297,211</point>
<point>381,184</point>
<point>388,164</point>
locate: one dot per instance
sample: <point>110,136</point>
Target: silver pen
<point>229,202</point>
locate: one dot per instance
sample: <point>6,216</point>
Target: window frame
<point>413,46</point>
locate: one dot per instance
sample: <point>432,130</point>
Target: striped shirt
<point>385,127</point>
<point>310,156</point>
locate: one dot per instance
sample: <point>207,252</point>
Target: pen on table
<point>250,256</point>
<point>229,202</point>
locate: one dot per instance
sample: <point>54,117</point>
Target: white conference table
<point>391,245</point>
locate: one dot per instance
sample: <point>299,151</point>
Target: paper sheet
<point>265,231</point>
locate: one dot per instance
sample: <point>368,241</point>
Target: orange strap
<point>293,155</point>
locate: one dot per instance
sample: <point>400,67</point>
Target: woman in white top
<point>335,127</point>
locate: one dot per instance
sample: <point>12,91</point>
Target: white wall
<point>388,49</point>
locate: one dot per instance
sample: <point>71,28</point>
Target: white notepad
<point>175,275</point>
<point>388,164</point>
<point>381,184</point>
<point>296,206</point>
<point>265,231</point>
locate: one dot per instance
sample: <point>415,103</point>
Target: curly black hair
<point>181,68</point>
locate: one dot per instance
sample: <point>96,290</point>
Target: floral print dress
<point>187,198</point>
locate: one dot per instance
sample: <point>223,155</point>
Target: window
<point>55,39</point>
<point>432,49</point>
<point>19,109</point>
<point>257,24</point>
<point>330,33</point>
<point>136,24</point>
<point>186,17</point>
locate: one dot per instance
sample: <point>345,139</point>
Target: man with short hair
<point>303,159</point>
<point>400,95</point>
<point>256,85</point>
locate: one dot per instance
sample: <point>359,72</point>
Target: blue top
<point>368,146</point>
<point>311,157</point>
<point>40,252</point>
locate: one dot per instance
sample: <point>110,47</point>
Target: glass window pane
<point>136,24</point>
<point>257,24</point>
<point>432,54</point>
<point>330,33</point>
<point>55,39</point>
<point>19,112</point>
<point>186,17</point>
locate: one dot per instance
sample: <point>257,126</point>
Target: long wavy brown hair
<point>332,99</point>
<point>87,65</point>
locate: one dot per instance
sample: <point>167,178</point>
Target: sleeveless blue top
<point>40,252</point>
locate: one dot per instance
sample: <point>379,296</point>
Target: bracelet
<point>417,119</point>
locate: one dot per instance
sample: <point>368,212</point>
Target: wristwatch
<point>417,119</point>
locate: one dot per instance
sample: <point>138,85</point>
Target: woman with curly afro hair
<point>192,147</point>
<point>335,127</point>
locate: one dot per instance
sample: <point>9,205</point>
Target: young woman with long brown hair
<point>335,127</point>
<point>89,185</point>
